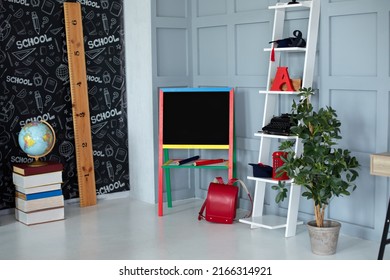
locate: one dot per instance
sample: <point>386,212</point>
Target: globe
<point>36,139</point>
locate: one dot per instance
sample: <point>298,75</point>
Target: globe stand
<point>37,162</point>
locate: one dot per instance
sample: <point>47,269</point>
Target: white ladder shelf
<point>258,218</point>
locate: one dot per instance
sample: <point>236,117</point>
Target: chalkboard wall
<point>34,85</point>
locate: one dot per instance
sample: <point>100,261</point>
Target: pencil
<point>187,160</point>
<point>207,162</point>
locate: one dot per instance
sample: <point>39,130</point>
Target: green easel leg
<point>168,180</point>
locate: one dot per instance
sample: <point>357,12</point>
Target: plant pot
<point>324,239</point>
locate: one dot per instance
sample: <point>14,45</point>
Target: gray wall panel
<point>248,102</point>
<point>171,8</point>
<point>211,8</point>
<point>248,54</point>
<point>250,5</point>
<point>212,51</point>
<point>347,43</point>
<point>172,52</point>
<point>355,109</point>
<point>358,209</point>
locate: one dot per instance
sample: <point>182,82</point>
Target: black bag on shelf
<point>291,42</point>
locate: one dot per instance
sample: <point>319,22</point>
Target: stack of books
<point>38,193</point>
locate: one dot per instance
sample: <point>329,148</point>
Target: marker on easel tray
<point>187,160</point>
<point>207,162</point>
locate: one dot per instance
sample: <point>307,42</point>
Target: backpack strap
<point>200,215</point>
<point>234,180</point>
<point>218,180</point>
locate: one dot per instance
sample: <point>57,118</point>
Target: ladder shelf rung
<point>302,4</point>
<point>286,137</point>
<point>278,92</point>
<point>293,49</point>
<point>267,180</point>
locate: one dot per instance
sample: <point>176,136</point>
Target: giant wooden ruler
<point>80,103</point>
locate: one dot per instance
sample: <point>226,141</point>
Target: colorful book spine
<point>38,189</point>
<point>38,195</point>
<point>41,216</point>
<point>39,204</point>
<point>37,180</point>
<point>27,169</point>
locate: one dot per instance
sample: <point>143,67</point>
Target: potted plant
<point>322,169</point>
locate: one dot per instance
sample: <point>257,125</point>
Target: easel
<point>164,148</point>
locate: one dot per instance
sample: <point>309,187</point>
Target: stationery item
<point>36,23</point>
<point>207,162</point>
<point>187,160</point>
<point>105,23</point>
<point>10,42</point>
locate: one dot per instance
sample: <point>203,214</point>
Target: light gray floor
<point>126,229</point>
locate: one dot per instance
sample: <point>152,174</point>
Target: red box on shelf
<point>277,162</point>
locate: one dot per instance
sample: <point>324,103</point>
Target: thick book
<point>30,169</point>
<point>37,180</point>
<point>41,216</point>
<point>38,189</point>
<point>39,204</point>
<point>39,195</point>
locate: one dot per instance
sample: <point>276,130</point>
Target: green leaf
<point>323,169</point>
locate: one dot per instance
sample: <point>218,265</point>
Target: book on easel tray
<point>38,189</point>
<point>39,204</point>
<point>37,180</point>
<point>41,216</point>
<point>31,169</point>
